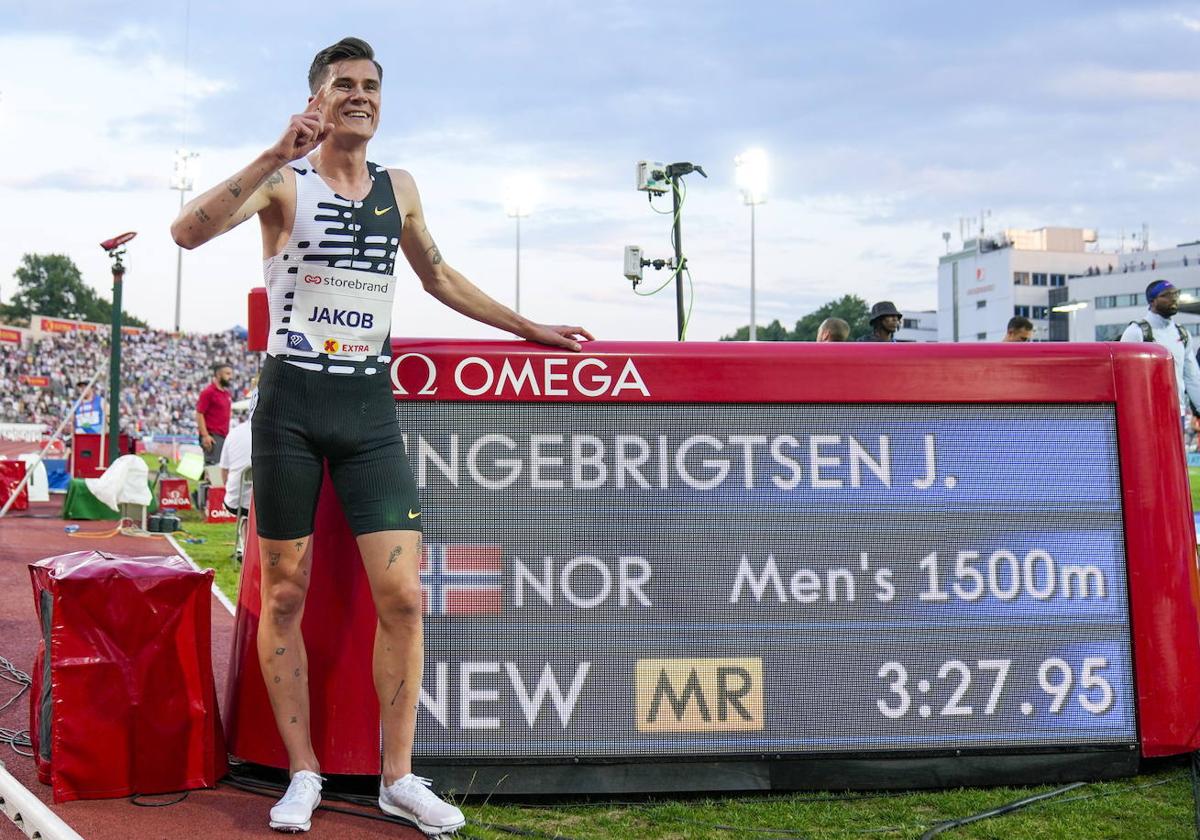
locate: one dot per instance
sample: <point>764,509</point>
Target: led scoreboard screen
<point>639,579</point>
<point>656,567</point>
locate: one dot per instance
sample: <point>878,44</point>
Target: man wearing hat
<point>1157,326</point>
<point>885,320</point>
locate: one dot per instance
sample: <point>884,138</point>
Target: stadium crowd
<point>162,376</point>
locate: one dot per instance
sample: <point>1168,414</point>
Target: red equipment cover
<point>11,474</point>
<point>123,698</point>
<point>173,493</point>
<point>214,506</point>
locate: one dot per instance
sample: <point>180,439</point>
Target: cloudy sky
<point>885,123</point>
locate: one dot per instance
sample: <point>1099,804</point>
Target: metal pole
<point>114,365</point>
<point>178,270</point>
<point>753,316</point>
<point>518,217</point>
<point>677,238</point>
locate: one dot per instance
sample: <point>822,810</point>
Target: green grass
<point>1156,805</point>
<point>216,552</point>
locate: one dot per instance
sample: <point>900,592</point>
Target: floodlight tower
<point>183,179</point>
<point>751,169</point>
<point>518,199</point>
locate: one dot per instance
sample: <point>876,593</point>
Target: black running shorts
<point>304,419</point>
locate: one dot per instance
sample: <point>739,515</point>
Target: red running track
<point>220,813</point>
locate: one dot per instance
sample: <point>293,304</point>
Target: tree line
<point>850,308</point>
<point>51,284</point>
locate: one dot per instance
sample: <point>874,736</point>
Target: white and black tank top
<point>332,231</point>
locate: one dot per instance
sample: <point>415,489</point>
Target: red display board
<point>729,551</point>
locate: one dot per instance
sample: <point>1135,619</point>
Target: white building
<point>992,279</point>
<point>1114,299</point>
<point>918,326</point>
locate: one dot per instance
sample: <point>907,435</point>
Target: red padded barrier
<point>11,475</point>
<point>128,704</point>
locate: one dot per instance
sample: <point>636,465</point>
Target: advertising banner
<point>59,325</point>
<point>43,324</point>
<point>173,493</point>
<point>214,506</point>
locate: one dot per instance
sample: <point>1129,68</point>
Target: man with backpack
<point>1157,326</point>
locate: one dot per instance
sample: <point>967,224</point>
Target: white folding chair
<point>245,485</point>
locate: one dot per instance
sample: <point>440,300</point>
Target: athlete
<point>332,223</point>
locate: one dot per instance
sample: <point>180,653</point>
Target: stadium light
<point>1071,307</point>
<point>750,169</point>
<point>182,179</point>
<point>751,174</point>
<point>519,196</point>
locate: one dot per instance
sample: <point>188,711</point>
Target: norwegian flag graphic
<point>460,579</point>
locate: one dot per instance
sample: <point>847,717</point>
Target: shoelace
<point>421,787</point>
<point>296,791</point>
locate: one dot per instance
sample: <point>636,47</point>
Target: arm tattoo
<point>397,694</point>
<point>201,215</point>
<point>435,256</point>
<point>394,556</point>
<point>280,651</point>
<point>274,557</point>
<point>275,180</point>
<point>234,186</point>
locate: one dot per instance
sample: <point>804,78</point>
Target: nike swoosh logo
<point>379,212</point>
<point>412,515</point>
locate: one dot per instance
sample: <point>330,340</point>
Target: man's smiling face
<point>353,98</point>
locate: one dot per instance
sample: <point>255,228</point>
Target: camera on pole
<point>116,250</point>
<point>656,178</point>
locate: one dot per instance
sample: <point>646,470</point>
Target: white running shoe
<point>410,797</point>
<point>294,812</point>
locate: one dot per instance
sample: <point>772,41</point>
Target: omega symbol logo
<point>431,374</point>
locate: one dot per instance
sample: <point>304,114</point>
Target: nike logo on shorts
<point>412,515</point>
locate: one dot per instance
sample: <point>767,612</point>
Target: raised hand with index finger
<point>305,131</point>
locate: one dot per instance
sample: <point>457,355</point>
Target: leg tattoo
<point>394,556</point>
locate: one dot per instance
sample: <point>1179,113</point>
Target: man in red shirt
<point>212,412</point>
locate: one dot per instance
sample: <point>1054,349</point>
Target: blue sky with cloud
<point>885,122</point>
